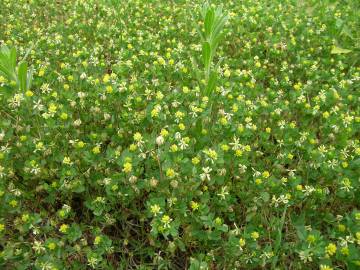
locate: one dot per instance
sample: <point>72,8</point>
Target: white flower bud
<point>160,140</point>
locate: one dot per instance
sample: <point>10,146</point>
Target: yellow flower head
<point>330,249</point>
<point>155,209</point>
<point>255,235</point>
<point>96,150</point>
<point>137,137</point>
<point>170,173</point>
<point>51,245</point>
<point>64,228</point>
<point>97,240</point>
<point>127,168</point>
<point>194,205</point>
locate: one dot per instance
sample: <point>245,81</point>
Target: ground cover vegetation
<point>179,134</point>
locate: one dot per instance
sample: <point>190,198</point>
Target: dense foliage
<point>134,135</point>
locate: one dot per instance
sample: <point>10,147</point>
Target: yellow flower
<point>195,160</point>
<point>109,89</point>
<point>64,116</point>
<point>325,267</point>
<point>225,147</point>
<point>223,121</point>
<point>165,219</point>
<point>235,108</point>
<point>311,238</point>
<point>97,240</point>
<point>341,227</point>
<point>227,73</point>
<point>67,161</point>
<point>106,78</point>
<point>161,61</point>
<point>127,168</point>
<point>29,93</point>
<point>51,245</point>
<point>212,154</point>
<point>25,217</point>
<point>185,90</point>
<point>255,235</point>
<point>2,227</point>
<point>64,228</point>
<point>170,173</point>
<point>96,150</point>
<point>154,113</point>
<point>62,213</point>
<point>174,148</point>
<point>258,181</point>
<point>297,86</point>
<point>155,209</point>
<point>52,108</point>
<point>137,136</point>
<point>181,126</point>
<point>218,221</point>
<point>194,205</point>
<point>238,153</point>
<point>330,249</point>
<point>80,144</point>
<point>159,95</point>
<point>13,203</point>
<point>41,72</point>
<point>164,132</point>
<point>132,147</point>
<point>345,251</point>
<point>242,242</point>
<point>265,174</point>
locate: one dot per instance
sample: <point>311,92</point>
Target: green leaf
<point>74,233</point>
<point>265,196</point>
<point>211,84</point>
<point>219,25</point>
<point>278,239</point>
<point>338,50</point>
<point>209,22</point>
<point>12,58</point>
<point>29,78</point>
<point>198,28</point>
<point>206,54</point>
<point>22,75</point>
<point>215,42</point>
<point>8,62</point>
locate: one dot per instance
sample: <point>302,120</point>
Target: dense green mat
<point>173,135</point>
